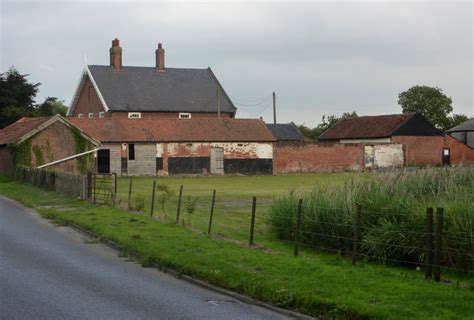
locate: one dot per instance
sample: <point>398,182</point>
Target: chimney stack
<point>160,57</point>
<point>116,54</point>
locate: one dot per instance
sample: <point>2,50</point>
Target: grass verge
<point>314,283</point>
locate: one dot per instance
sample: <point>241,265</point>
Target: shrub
<point>138,203</point>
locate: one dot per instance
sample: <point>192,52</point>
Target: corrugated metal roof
<point>174,130</point>
<point>285,131</point>
<point>463,127</point>
<point>172,90</point>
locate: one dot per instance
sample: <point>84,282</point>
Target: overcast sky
<point>319,57</point>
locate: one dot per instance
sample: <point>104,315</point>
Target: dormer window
<point>101,114</point>
<point>134,115</point>
<point>91,114</point>
<point>80,115</point>
<point>184,115</point>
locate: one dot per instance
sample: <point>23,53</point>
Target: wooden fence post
<point>212,212</point>
<point>179,204</point>
<point>429,243</point>
<point>94,187</point>
<point>252,220</point>
<point>114,189</point>
<point>129,204</point>
<point>298,228</point>
<point>355,243</point>
<point>153,198</point>
<point>438,244</point>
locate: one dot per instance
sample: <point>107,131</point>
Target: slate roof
<point>463,127</point>
<point>285,131</point>
<point>382,126</point>
<point>144,89</point>
<point>174,130</point>
<point>19,128</point>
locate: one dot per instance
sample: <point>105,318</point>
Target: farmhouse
<point>464,132</point>
<point>32,142</point>
<point>405,137</point>
<point>117,91</point>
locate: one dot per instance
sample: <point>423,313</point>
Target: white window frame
<point>101,114</point>
<point>134,115</point>
<point>184,115</point>
<point>91,115</point>
<point>80,115</point>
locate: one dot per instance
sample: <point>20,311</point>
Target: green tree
<point>431,102</point>
<point>17,96</point>
<point>457,119</point>
<point>327,122</point>
<point>51,106</point>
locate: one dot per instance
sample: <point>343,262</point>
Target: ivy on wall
<point>39,155</point>
<point>21,153</point>
<point>85,163</point>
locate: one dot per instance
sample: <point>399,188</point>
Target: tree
<point>51,106</point>
<point>327,122</point>
<point>457,119</point>
<point>431,102</point>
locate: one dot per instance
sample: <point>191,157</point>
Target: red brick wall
<point>55,142</point>
<point>304,157</point>
<point>88,101</point>
<point>6,164</point>
<point>166,115</point>
<point>460,153</point>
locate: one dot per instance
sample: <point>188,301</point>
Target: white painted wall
<point>388,155</point>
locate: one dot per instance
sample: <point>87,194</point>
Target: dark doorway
<point>446,157</point>
<point>103,161</point>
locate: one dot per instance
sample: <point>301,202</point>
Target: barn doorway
<point>103,161</point>
<point>217,161</point>
<point>446,157</point>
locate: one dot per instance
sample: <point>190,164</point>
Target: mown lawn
<point>313,283</point>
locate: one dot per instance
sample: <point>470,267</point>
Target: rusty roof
<point>382,126</point>
<point>174,130</point>
<point>19,128</point>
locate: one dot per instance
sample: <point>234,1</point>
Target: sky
<point>321,58</point>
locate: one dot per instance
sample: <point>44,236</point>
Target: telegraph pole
<point>218,103</point>
<point>274,108</point>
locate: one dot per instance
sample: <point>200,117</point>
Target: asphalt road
<point>50,272</point>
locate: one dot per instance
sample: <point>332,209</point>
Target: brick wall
<point>305,157</point>
<point>145,160</point>
<point>6,164</point>
<point>88,101</point>
<point>460,153</point>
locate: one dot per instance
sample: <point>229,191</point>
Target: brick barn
<point>32,142</point>
<point>399,139</point>
<point>181,146</point>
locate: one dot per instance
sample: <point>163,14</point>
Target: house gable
<point>417,125</point>
<point>87,98</point>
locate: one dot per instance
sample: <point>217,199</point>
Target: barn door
<point>217,161</point>
<point>446,157</point>
<point>369,156</point>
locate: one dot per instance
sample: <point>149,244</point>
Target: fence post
<point>355,243</point>
<point>94,187</point>
<point>129,204</point>
<point>179,204</point>
<point>212,212</point>
<point>438,244</point>
<point>429,243</point>
<point>153,198</point>
<point>252,221</point>
<point>114,189</point>
<point>298,228</point>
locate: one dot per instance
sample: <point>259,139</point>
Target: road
<point>51,272</point>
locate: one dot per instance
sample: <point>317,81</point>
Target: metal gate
<point>102,188</point>
<point>217,161</point>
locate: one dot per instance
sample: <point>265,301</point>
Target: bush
<point>392,215</point>
<point>138,203</point>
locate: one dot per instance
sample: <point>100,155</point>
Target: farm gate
<point>102,188</point>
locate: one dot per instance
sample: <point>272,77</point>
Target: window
<point>184,115</point>
<point>134,115</point>
<point>131,151</point>
<point>80,115</point>
<point>91,114</point>
<point>101,114</point>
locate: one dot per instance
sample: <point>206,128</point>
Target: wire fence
<point>429,240</point>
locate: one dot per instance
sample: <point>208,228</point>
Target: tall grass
<point>393,215</point>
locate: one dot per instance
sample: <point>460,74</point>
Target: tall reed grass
<point>393,216</point>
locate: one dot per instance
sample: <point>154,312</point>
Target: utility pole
<point>274,108</point>
<point>218,102</point>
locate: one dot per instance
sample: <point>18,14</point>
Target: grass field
<point>233,205</point>
<point>314,283</point>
